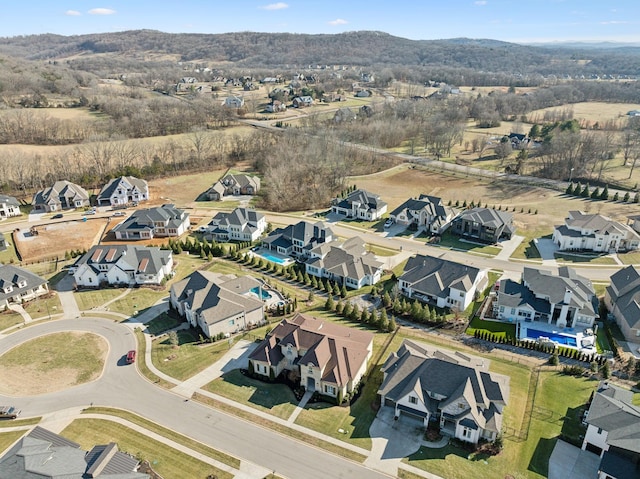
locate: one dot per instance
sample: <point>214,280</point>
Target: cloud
<point>480,3</point>
<point>614,22</point>
<point>73,13</point>
<point>101,11</point>
<point>275,6</point>
<point>338,21</point>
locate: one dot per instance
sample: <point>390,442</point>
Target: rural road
<point>121,386</point>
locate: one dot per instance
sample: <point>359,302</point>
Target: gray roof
<point>246,219</point>
<point>488,217</point>
<point>62,188</point>
<point>9,200</point>
<point>346,260</point>
<point>449,374</point>
<point>363,197</point>
<point>138,259</point>
<point>624,292</point>
<point>168,215</point>
<point>216,297</point>
<point>599,224</point>
<point>432,204</point>
<point>517,295</point>
<point>615,465</point>
<point>435,276</point>
<point>42,454</point>
<point>12,275</point>
<point>310,234</point>
<point>126,182</point>
<point>611,410</point>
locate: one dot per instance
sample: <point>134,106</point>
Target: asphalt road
<point>121,386</point>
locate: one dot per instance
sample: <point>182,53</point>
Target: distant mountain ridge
<point>363,48</point>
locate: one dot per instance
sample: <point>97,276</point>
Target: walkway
<point>21,311</point>
<point>509,247</point>
<point>303,402</point>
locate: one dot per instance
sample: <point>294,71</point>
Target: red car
<point>131,356</point>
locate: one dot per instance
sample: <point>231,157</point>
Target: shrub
<point>573,370</point>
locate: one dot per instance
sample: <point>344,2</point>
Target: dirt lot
<point>54,239</point>
<point>400,183</point>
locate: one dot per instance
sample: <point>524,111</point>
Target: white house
<point>123,190</point>
<point>18,285</point>
<point>122,265</point>
<point>61,196</point>
<point>242,224</point>
<point>360,204</point>
<point>9,206</point>
<point>234,102</point>
<point>160,222</point>
<point>594,233</point>
<point>426,212</point>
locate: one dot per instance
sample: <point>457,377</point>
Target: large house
<point>122,265</point>
<point>160,222</point>
<point>241,224</point>
<point>218,303</point>
<point>61,196</point>
<point>234,102</point>
<point>448,388</point>
<point>566,299</point>
<point>302,101</point>
<point>348,263</point>
<point>440,282</point>
<point>18,285</point>
<point>9,206</point>
<point>426,213</point>
<point>42,454</point>
<point>613,432</point>
<point>327,357</point>
<point>595,233</point>
<point>122,191</point>
<point>622,298</point>
<point>360,204</point>
<point>484,224</point>
<point>298,239</point>
<point>235,185</point>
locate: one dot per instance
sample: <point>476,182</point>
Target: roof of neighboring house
<point>9,200</point>
<point>125,182</point>
<point>436,276</point>
<point>309,233</point>
<point>488,217</point>
<point>362,197</point>
<point>64,188</point>
<point>427,370</point>
<point>432,204</point>
<point>545,284</point>
<point>43,454</point>
<point>168,215</point>
<point>626,295</point>
<point>139,259</point>
<point>517,295</point>
<point>615,465</point>
<point>611,409</point>
<point>245,218</point>
<point>348,260</point>
<point>599,224</point>
<point>216,297</point>
<point>11,275</point>
<point>339,351</point>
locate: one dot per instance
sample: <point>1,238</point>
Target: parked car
<point>57,217</point>
<point>388,223</point>
<point>119,213</point>
<point>9,412</point>
<point>131,356</point>
<point>90,212</point>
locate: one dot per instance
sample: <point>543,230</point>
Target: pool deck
<point>578,333</point>
<point>270,255</point>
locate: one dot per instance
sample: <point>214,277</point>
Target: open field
<point>167,461</point>
<point>592,111</point>
<point>80,113</point>
<point>63,360</point>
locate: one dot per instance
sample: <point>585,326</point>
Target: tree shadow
<point>540,459</point>
<point>266,395</point>
<point>572,429</point>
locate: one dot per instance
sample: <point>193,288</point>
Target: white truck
<point>8,412</point>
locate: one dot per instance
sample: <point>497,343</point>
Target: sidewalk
<point>20,310</point>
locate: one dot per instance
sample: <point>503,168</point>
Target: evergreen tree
<point>605,193</point>
<point>416,310</point>
<point>339,307</point>
<point>569,190</point>
<point>383,322</point>
<point>392,325</point>
<point>314,282</point>
<point>355,313</point>
<point>397,306</point>
<point>616,196</point>
<point>636,198</point>
<point>364,316</point>
<point>343,291</point>
<point>585,191</point>
<point>386,299</point>
<point>329,304</point>
<point>626,197</point>
<point>348,307</point>
<point>596,194</point>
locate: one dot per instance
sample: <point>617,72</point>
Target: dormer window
<point>413,400</point>
<point>8,289</point>
<point>22,284</point>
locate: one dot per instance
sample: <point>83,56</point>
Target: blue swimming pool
<point>558,338</point>
<point>273,259</point>
<point>265,294</point>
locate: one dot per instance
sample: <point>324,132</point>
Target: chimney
<point>567,296</point>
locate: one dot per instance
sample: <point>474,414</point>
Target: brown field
<point>592,111</point>
<point>55,239</point>
<point>58,113</point>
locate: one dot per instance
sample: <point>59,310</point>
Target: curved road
<point>121,386</point>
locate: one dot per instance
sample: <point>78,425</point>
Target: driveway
<point>546,248</point>
<point>570,462</point>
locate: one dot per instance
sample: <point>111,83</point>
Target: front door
<point>311,384</point>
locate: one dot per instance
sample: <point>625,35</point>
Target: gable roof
<point>364,198</point>
<point>246,219</point>
<point>310,234</point>
<point>137,259</point>
<point>9,200</point>
<point>62,188</point>
<point>487,217</point>
<point>624,292</point>
<point>126,182</point>
<point>436,276</point>
<point>599,224</point>
<point>431,204</point>
<point>13,275</point>
<point>347,260</point>
<point>168,215</point>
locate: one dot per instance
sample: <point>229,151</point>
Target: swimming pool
<point>265,294</point>
<point>273,259</point>
<point>555,337</point>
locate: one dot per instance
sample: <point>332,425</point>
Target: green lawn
<point>43,307</point>
<point>527,249</point>
<point>630,258</point>
<point>187,359</point>
<point>92,298</point>
<point>168,462</point>
<point>565,257</point>
<point>602,342</point>
<point>499,328</point>
<point>558,397</point>
<point>449,240</point>
<point>20,422</point>
<point>138,300</point>
<point>142,365</point>
<point>381,250</point>
<point>8,438</point>
<point>9,319</point>
<point>162,323</point>
<point>168,433</point>
<point>275,399</point>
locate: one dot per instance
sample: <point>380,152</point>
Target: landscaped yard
<point>448,240</point>
<point>565,257</point>
<point>273,398</point>
<point>92,298</point>
<point>43,307</point>
<point>8,438</point>
<point>162,323</point>
<point>527,248</point>
<point>9,318</point>
<point>138,300</point>
<point>167,461</point>
<point>630,258</point>
<point>499,328</point>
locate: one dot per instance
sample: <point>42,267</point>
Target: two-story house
<point>242,224</point>
<point>327,357</point>
<point>361,205</point>
<point>9,207</point>
<point>426,213</point>
<point>235,185</point>
<point>448,388</point>
<point>298,239</point>
<point>18,285</point>
<point>595,233</point>
<point>566,299</point>
<point>484,224</point>
<point>613,432</point>
<point>122,191</point>
<point>440,282</point>
<point>160,222</point>
<point>122,265</point>
<point>61,196</point>
<point>349,263</point>
<point>622,298</point>
<point>218,303</point>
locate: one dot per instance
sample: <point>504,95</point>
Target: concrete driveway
<point>570,462</point>
<point>546,248</point>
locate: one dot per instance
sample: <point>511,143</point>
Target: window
<point>232,322</point>
<point>330,390</point>
<point>413,400</point>
<point>599,430</point>
<point>461,405</point>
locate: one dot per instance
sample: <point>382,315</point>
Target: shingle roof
<point>598,224</point>
<point>371,200</point>
<point>168,215</point>
<point>308,233</point>
<point>61,188</point>
<point>246,219</point>
<point>626,295</point>
<point>11,275</point>
<point>346,260</point>
<point>432,204</point>
<point>129,257</point>
<point>435,276</point>
<point>487,217</point>
<point>9,200</point>
<point>126,182</point>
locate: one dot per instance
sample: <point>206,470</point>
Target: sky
<point>520,21</point>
